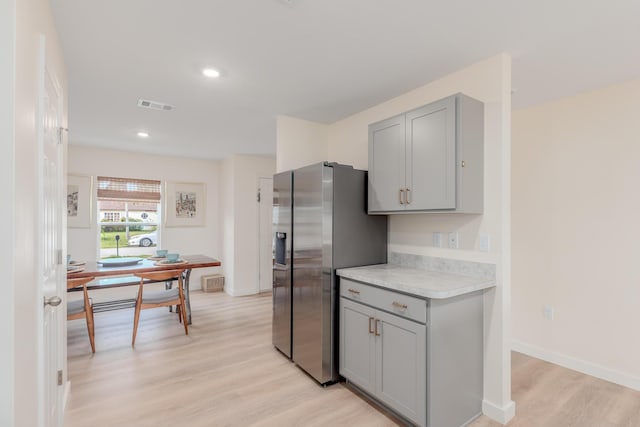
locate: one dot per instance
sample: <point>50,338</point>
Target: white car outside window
<point>144,239</point>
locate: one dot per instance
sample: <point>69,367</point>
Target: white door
<point>52,275</point>
<point>265,234</point>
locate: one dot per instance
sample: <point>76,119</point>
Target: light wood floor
<point>226,373</point>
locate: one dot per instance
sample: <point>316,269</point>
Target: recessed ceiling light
<point>143,134</point>
<point>210,72</point>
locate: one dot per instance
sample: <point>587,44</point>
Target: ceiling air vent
<point>154,105</point>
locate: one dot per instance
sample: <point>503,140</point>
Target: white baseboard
<point>500,414</point>
<point>241,293</point>
<point>65,396</point>
<point>598,371</point>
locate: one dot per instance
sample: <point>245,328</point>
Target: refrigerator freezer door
<point>312,274</point>
<point>331,229</point>
<point>282,267</point>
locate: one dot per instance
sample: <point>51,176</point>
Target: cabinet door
<point>401,348</point>
<point>357,344</point>
<point>386,164</point>
<point>431,156</point>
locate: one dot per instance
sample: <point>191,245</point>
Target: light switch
<point>437,239</point>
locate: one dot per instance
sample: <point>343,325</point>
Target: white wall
<point>21,24</point>
<point>490,82</point>
<point>300,143</point>
<point>241,219</point>
<point>575,232</point>
<point>227,225</point>
<point>83,242</point>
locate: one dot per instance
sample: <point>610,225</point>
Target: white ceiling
<point>320,60</point>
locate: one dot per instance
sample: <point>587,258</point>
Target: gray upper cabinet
<point>429,159</point>
<point>386,141</point>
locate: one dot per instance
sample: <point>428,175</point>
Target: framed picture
<point>79,201</point>
<point>185,204</point>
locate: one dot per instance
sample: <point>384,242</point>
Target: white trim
<point>43,354</point>
<point>500,414</point>
<point>598,371</point>
<point>7,215</point>
<point>259,239</point>
<point>65,395</point>
<point>242,293</point>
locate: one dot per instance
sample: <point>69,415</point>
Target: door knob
<point>54,301</point>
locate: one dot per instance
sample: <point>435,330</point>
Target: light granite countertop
<point>416,281</point>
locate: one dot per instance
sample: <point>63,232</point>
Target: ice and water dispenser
<point>281,248</point>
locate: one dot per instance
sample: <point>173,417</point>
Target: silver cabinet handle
<point>399,305</point>
<point>407,196</point>
<point>370,327</point>
<point>377,332</point>
<point>400,193</point>
<point>54,301</point>
<point>353,291</point>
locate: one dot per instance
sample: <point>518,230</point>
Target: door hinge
<point>258,196</point>
<point>60,130</point>
<point>60,377</point>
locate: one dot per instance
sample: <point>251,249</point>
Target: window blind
<point>128,189</point>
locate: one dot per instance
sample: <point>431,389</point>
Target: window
<point>129,214</point>
<point>111,216</point>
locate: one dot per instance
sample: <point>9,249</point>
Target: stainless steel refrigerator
<point>320,225</point>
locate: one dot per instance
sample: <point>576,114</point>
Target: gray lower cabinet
<point>384,355</point>
<point>400,366</point>
<point>420,357</point>
<point>357,344</point>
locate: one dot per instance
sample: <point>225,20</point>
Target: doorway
<point>265,235</point>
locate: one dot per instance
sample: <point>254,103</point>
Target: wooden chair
<point>162,298</point>
<point>79,309</point>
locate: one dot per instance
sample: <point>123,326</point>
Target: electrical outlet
<point>484,243</point>
<point>548,312</point>
<point>437,239</point>
<point>453,240</point>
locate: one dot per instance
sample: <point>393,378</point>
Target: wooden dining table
<point>99,271</point>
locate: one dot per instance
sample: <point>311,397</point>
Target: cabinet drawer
<point>393,302</point>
